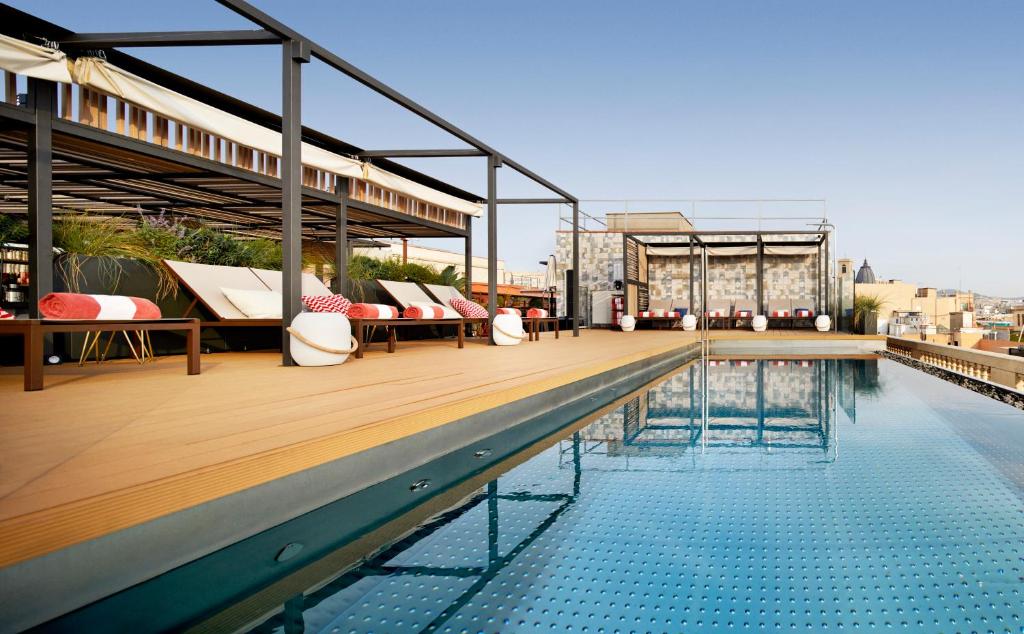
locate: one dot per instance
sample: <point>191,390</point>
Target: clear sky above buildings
<point>908,117</point>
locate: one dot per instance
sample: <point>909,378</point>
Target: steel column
<point>42,97</point>
<point>575,268</point>
<point>760,277</point>
<point>693,307</point>
<point>828,288</point>
<point>492,238</point>
<point>291,189</point>
<point>468,275</point>
<point>341,238</point>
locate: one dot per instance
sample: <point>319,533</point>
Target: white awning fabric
<point>725,251</point>
<point>29,59</point>
<point>32,60</point>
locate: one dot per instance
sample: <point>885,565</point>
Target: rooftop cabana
<point>106,133</point>
<point>753,266</point>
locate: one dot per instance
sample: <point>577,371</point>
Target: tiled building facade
<point>729,277</point>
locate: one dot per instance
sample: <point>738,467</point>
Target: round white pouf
<point>689,322</point>
<point>628,323</point>
<point>823,323</point>
<point>319,339</point>
<point>508,330</point>
<point>759,323</point>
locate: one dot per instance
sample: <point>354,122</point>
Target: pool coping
<point>992,390</point>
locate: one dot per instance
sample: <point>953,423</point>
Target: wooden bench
<point>359,327</point>
<point>33,331</point>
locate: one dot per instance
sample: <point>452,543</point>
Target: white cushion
<point>759,323</point>
<point>628,323</point>
<point>255,304</point>
<point>448,311</point>
<point>689,322</point>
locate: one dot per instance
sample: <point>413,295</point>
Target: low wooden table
<point>360,326</point>
<point>535,323</point>
<point>32,332</point>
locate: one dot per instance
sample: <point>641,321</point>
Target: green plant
<point>12,229</point>
<point>82,238</point>
<point>864,305</point>
<point>450,277</point>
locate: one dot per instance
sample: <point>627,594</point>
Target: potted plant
<point>866,309</point>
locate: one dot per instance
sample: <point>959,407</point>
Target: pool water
<point>809,495</point>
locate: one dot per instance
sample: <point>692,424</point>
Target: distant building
<point>865,275</point>
<point>898,296</point>
<point>1018,316</point>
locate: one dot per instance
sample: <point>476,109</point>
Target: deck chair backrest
<point>444,294</point>
<point>204,281</point>
<point>777,305</point>
<point>405,293</point>
<point>805,302</point>
<point>660,304</point>
<point>720,304</point>
<point>311,284</point>
<point>745,304</point>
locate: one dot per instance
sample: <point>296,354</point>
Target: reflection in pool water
<point>666,515</point>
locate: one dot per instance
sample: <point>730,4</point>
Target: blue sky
<point>908,117</point>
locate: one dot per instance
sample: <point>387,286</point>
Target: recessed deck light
<point>420,484</point>
<point>481,453</point>
<point>289,551</point>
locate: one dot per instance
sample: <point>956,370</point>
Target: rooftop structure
<point>111,132</point>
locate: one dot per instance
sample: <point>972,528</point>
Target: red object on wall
<point>618,308</point>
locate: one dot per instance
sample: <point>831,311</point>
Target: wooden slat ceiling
<point>97,178</point>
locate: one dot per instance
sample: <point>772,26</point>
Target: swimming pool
<point>810,495</point>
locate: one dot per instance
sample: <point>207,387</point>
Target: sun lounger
<point>445,294</point>
<point>780,311</point>
<point>743,311</point>
<point>804,309</point>
<point>719,310</point>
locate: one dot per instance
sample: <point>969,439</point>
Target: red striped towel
<point>803,312</point>
<point>536,312</point>
<point>424,311</point>
<point>780,313</point>
<point>82,306</point>
<point>744,313</point>
<point>5,315</point>
<point>510,311</point>
<point>716,313</point>
<point>372,311</point>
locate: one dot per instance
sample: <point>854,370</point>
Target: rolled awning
<point>24,58</point>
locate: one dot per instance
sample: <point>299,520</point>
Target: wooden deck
<point>105,448</point>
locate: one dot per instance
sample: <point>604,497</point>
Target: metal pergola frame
<point>702,240</point>
<point>42,123</point>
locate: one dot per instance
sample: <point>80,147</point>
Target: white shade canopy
<point>31,60</point>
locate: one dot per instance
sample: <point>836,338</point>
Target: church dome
<point>865,275</point>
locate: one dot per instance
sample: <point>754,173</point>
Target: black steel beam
<point>43,104</point>
<point>170,38</point>
<point>418,153</point>
<point>468,276</point>
<point>759,277</point>
<point>534,201</point>
<point>576,269</point>
<point>292,58</point>
<point>492,239</point>
<point>341,238</point>
<point>454,232</point>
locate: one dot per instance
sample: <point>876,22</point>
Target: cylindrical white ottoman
<point>628,323</point>
<point>508,330</point>
<point>689,322</point>
<point>759,323</point>
<point>823,323</point>
<point>318,339</point>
